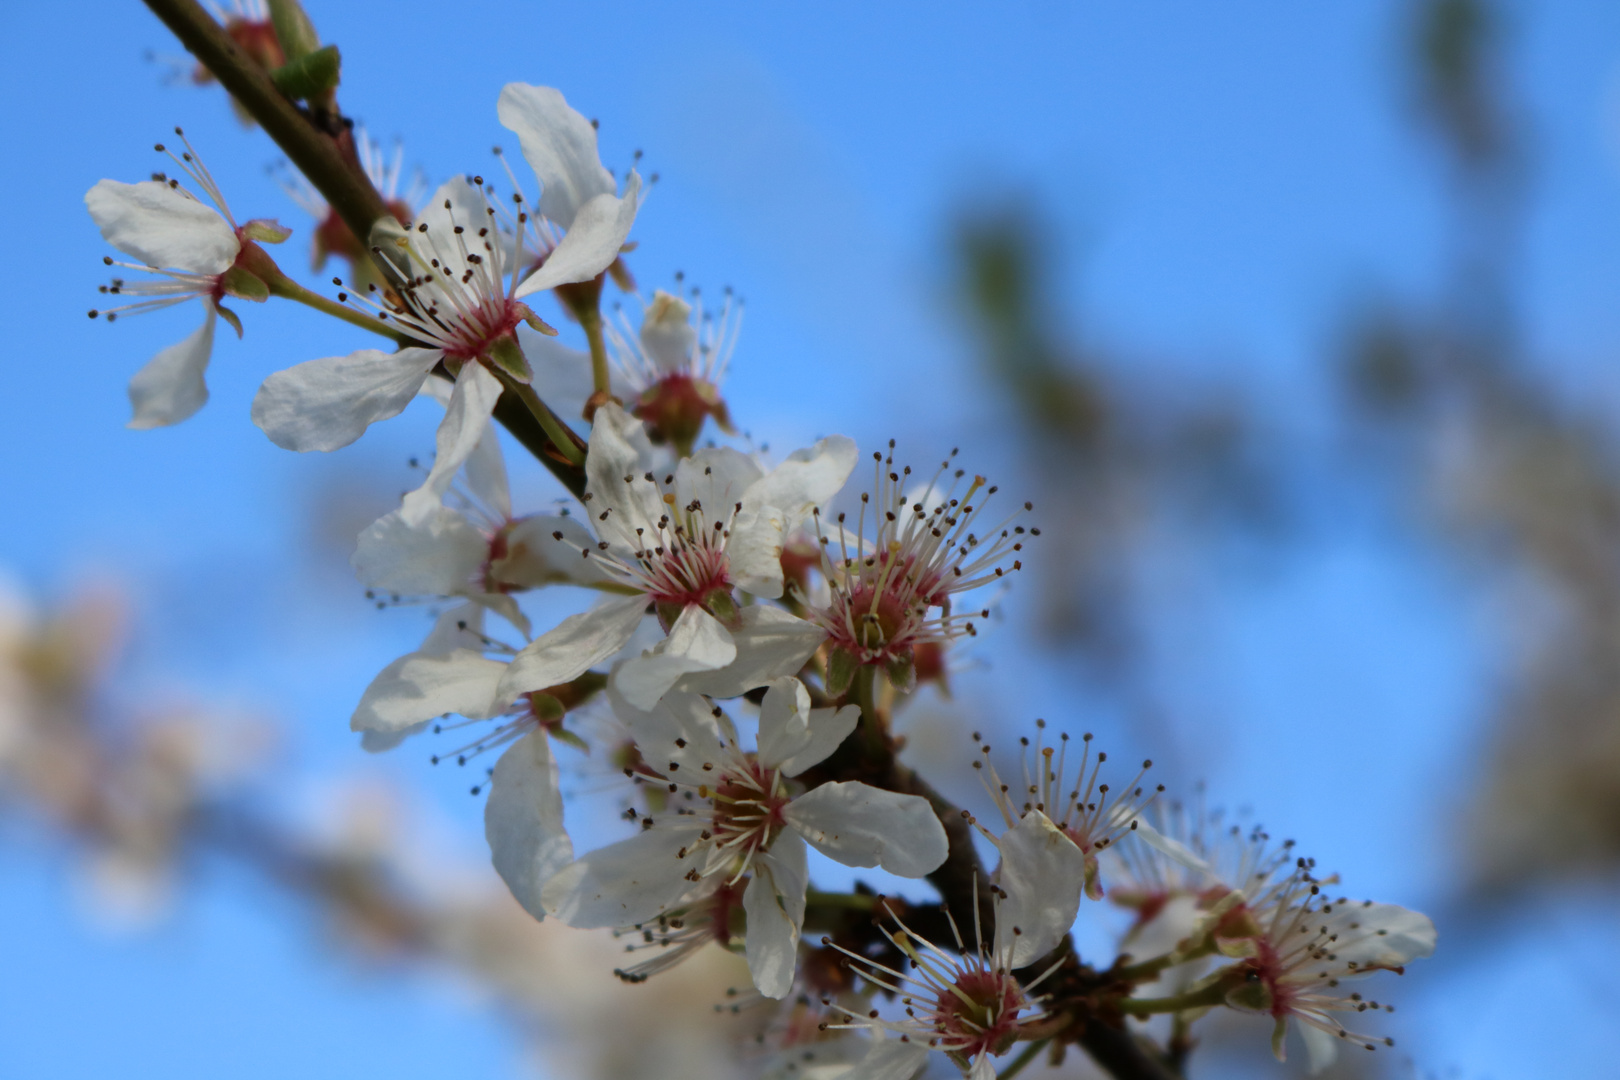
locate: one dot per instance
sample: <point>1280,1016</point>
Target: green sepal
<point>229,316</point>
<point>568,738</point>
<point>668,612</point>
<point>902,674</point>
<point>535,322</point>
<point>311,76</point>
<point>840,671</point>
<point>266,230</point>
<point>505,353</point>
<point>243,285</point>
<point>546,709</point>
<point>294,32</point>
<point>1251,994</point>
<point>723,606</point>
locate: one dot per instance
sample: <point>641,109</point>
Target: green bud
<point>840,671</point>
<point>294,32</point>
<point>239,283</point>
<point>311,76</point>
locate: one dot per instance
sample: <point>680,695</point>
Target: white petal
<point>592,242</point>
<point>1379,935</point>
<point>1169,845</point>
<point>459,627</point>
<point>770,644</point>
<point>1043,874</point>
<point>418,687</point>
<point>1320,1048</point>
<point>774,903</point>
<point>504,606</point>
<point>327,403</point>
<point>616,460</point>
<point>559,145</point>
<point>468,209</point>
<point>807,479</point>
<point>376,742</point>
<point>535,557</point>
<point>523,820</point>
<point>792,736</point>
<point>697,642</point>
<point>486,473</point>
<point>465,422</point>
<point>170,387</point>
<point>568,650</point>
<point>667,333</point>
<point>754,551</point>
<point>889,1059</point>
<point>163,226</point>
<point>784,718</point>
<point>438,556</point>
<point>625,883</point>
<point>859,825</point>
<point>828,730</point>
<point>982,1068</point>
<point>717,477</point>
<point>680,731</point>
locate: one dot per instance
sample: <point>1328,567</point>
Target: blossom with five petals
<point>196,252</point>
<point>743,818</point>
<point>681,540</point>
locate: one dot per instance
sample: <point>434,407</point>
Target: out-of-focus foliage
<point>1518,481</point>
<point>1117,456</point>
<point>1523,480</point>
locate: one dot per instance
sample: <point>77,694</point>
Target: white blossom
<point>1091,813</point>
<point>190,248</point>
<point>472,546</point>
<point>735,815</point>
<point>1309,956</point>
<point>923,550</point>
<point>453,294</point>
<point>582,220</point>
<point>681,540</point>
<point>968,1004</point>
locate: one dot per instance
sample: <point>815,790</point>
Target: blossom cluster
<point>747,627</point>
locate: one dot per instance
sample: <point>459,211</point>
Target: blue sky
<point>1221,177</point>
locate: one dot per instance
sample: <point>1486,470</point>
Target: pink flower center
<point>748,808</point>
<point>688,574</point>
<point>979,1012</point>
<point>470,335</point>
